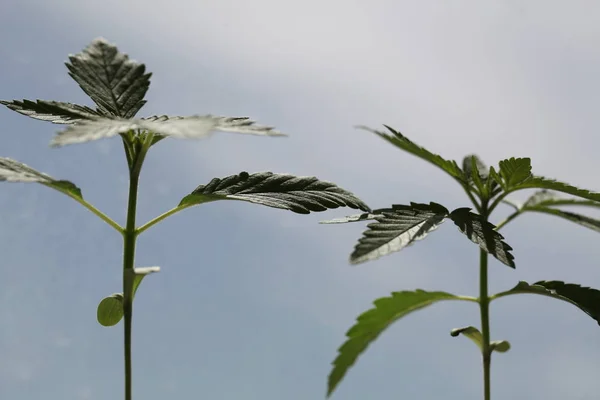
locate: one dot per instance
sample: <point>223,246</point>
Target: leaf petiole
<point>161,217</point>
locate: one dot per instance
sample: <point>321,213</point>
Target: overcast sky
<point>253,302</point>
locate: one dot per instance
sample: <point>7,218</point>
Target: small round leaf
<point>110,310</point>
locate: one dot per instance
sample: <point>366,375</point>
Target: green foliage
<point>514,171</point>
<point>370,324</point>
<point>300,194</point>
<point>401,141</point>
<point>52,111</point>
<point>539,182</point>
<point>484,234</point>
<point>584,298</point>
<point>501,346</point>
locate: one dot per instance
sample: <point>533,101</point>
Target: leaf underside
<point>192,127</point>
<point>397,228</point>
<point>401,141</point>
<point>373,322</point>
<point>300,194</point>
<point>52,111</point>
<point>15,171</point>
<point>585,298</point>
<point>113,81</point>
<point>483,234</point>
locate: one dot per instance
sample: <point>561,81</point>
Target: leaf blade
<point>540,182</point>
<point>114,82</point>
<point>397,228</point>
<point>299,194</point>
<point>52,111</point>
<point>370,324</point>
<point>484,234</point>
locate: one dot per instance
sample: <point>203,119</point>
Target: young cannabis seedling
<point>399,226</point>
<point>117,85</point>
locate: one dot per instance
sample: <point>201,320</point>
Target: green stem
<point>484,302</point>
<point>161,217</point>
<point>508,219</point>
<point>129,238</point>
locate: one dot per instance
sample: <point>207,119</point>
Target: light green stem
<point>161,217</point>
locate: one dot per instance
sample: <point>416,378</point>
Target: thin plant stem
<point>508,219</point>
<point>161,217</point>
<point>484,302</point>
<point>129,238</point>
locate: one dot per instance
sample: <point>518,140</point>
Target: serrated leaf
<point>484,234</point>
<point>405,144</point>
<point>540,182</point>
<point>300,194</point>
<point>15,171</point>
<point>113,81</point>
<point>396,229</point>
<point>585,298</point>
<point>51,111</point>
<point>372,323</point>
<point>579,219</point>
<point>515,171</point>
<point>193,127</point>
<point>470,332</point>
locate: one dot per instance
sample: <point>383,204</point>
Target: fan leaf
<point>484,234</point>
<point>545,198</point>
<point>15,171</point>
<point>584,298</point>
<point>579,219</point>
<point>405,144</point>
<point>113,81</point>
<point>372,323</point>
<point>397,228</point>
<point>51,111</point>
<point>300,194</point>
<point>193,127</point>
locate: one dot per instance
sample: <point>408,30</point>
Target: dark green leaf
<point>52,111</point>
<point>15,171</point>
<point>515,171</point>
<point>113,81</point>
<point>193,127</point>
<point>484,234</point>
<point>540,182</point>
<point>397,228</point>
<point>585,298</point>
<point>405,144</point>
<point>372,323</point>
<point>476,172</point>
<point>300,194</point>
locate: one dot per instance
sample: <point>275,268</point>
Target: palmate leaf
<point>113,81</point>
<point>397,228</point>
<point>585,298</point>
<point>405,144</point>
<point>300,194</point>
<point>15,171</point>
<point>372,323</point>
<point>193,127</point>
<point>52,111</point>
<point>484,234</point>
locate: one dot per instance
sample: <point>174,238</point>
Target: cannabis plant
<point>117,85</point>
<point>400,226</point>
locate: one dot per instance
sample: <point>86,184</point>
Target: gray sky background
<point>252,302</point>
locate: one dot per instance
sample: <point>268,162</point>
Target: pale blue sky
<point>252,302</point>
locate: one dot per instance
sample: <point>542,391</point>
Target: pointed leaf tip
<point>113,81</point>
<point>370,324</point>
<point>299,194</point>
<point>397,228</point>
<point>484,234</point>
